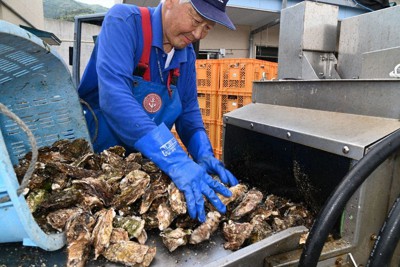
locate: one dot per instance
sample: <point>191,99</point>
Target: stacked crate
<point>207,72</point>
<point>224,85</point>
<point>235,88</point>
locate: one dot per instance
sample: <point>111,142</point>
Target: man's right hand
<point>161,147</point>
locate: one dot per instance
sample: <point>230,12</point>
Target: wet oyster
<point>132,162</point>
<point>132,188</point>
<point>185,222</point>
<point>101,233</point>
<point>165,216</point>
<point>130,253</point>
<point>35,198</point>
<point>132,224</point>
<point>112,163</point>
<point>90,202</point>
<point>149,167</point>
<point>95,187</point>
<point>73,150</point>
<point>261,228</point>
<point>176,199</point>
<point>142,238</point>
<point>60,200</point>
<point>59,218</point>
<point>205,230</point>
<point>150,219</point>
<point>238,191</point>
<point>89,161</point>
<point>158,188</point>
<point>173,239</point>
<point>248,204</point>
<point>78,231</point>
<point>235,234</point>
<point>118,235</point>
<point>70,170</point>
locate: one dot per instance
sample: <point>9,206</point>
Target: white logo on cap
<point>221,1</point>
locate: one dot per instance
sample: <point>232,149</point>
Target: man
<point>134,103</point>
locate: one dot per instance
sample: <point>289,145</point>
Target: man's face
<point>182,25</point>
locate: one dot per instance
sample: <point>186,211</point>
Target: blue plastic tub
<point>36,85</point>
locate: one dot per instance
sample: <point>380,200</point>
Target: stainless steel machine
<point>303,134</point>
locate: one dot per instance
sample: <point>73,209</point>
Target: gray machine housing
<point>309,128</point>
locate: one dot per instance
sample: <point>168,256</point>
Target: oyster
<point>165,216</point>
<point>132,224</point>
<point>176,199</point>
<point>112,163</point>
<point>248,204</point>
<point>150,219</point>
<point>73,150</point>
<point>173,239</point>
<point>132,188</point>
<point>298,215</point>
<point>142,238</point>
<point>70,170</point>
<point>59,218</point>
<point>130,253</point>
<point>205,230</point>
<point>78,231</point>
<point>101,233</point>
<point>89,161</point>
<point>185,222</point>
<point>95,187</point>
<point>35,198</point>
<point>118,235</point>
<point>90,202</point>
<point>261,228</point>
<point>132,162</point>
<point>158,188</point>
<point>60,200</point>
<point>236,233</point>
<point>238,191</point>
<point>149,166</point>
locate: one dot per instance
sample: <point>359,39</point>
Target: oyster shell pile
<point>106,202</point>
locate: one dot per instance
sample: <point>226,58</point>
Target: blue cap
<point>213,10</point>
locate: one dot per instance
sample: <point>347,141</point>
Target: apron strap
<point>143,69</point>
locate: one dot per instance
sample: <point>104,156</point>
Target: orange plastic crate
<point>211,129</point>
<point>174,132</point>
<point>209,125</point>
<point>240,73</point>
<point>208,104</point>
<point>218,136</point>
<point>207,72</point>
<point>218,153</point>
<point>231,100</point>
<point>269,70</point>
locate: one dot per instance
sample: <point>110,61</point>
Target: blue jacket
<point>107,80</point>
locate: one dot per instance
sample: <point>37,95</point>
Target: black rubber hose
<point>338,199</point>
<point>388,237</point>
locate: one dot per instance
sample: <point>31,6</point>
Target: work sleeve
<point>117,43</point>
<point>190,121</point>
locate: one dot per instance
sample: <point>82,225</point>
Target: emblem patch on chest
<point>152,103</point>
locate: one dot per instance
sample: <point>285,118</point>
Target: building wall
<point>17,12</point>
<point>268,37</point>
<point>235,43</point>
<point>64,30</point>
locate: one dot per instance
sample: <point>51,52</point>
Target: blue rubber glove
<point>201,151</point>
<point>161,147</point>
